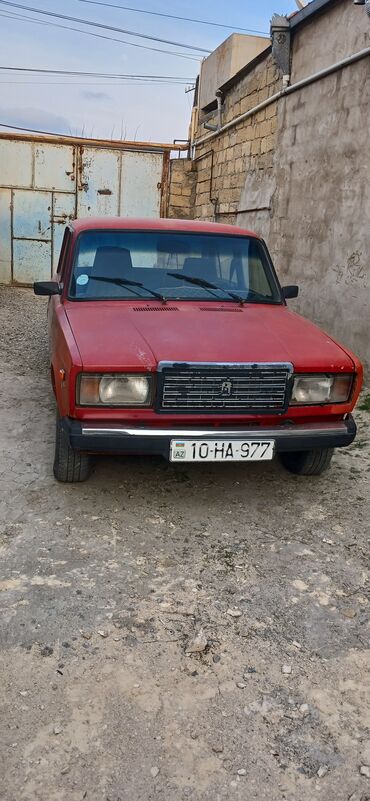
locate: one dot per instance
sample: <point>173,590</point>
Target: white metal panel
<point>31,215</point>
<point>42,178</point>
<point>98,183</point>
<point>32,260</point>
<point>15,163</point>
<point>63,210</point>
<point>141,184</point>
<point>5,236</point>
<point>55,167</point>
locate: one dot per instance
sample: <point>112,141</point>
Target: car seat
<point>200,268</point>
<point>112,262</point>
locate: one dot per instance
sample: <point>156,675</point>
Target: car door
<point>55,300</point>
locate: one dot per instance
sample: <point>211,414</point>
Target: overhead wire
<point>119,80</point>
<point>43,70</point>
<point>175,16</point>
<point>23,18</point>
<point>91,83</point>
<point>105,27</point>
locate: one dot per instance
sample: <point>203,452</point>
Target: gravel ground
<point>104,587</point>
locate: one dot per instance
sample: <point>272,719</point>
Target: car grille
<point>226,388</point>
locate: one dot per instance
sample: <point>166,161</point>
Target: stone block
<point>252,83</point>
<point>239,164</point>
<point>263,94</point>
<point>265,128</point>
<point>187,191</point>
<point>246,149</point>
<point>179,201</point>
<point>256,147</point>
<point>177,176</point>
<point>274,125</point>
<point>270,142</point>
<point>259,117</point>
<point>272,75</point>
<point>264,145</point>
<point>271,110</point>
<point>241,134</point>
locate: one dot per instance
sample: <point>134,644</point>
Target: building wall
<point>318,230</point>
<point>246,149</point>
<point>319,233</point>
<point>226,61</point>
<point>336,33</point>
<point>298,172</point>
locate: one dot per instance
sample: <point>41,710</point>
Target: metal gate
<point>44,183</point>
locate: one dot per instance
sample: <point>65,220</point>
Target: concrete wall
<point>298,172</point>
<point>233,54</point>
<point>339,31</point>
<point>318,230</point>
<point>319,233</point>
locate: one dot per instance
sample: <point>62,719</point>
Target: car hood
<point>119,335</point>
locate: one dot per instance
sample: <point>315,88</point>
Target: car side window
<point>63,253</point>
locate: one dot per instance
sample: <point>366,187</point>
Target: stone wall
<point>247,148</point>
<point>298,172</point>
<point>181,189</point>
<point>318,227</point>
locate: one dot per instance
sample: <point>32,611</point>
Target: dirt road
<point>104,585</point>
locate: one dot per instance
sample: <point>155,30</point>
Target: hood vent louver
<point>154,308</point>
<point>176,308</point>
<point>220,309</point>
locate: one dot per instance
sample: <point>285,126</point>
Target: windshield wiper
<point>128,284</point>
<point>207,285</point>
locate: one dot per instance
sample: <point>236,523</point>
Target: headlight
<point>119,389</point>
<point>322,388</point>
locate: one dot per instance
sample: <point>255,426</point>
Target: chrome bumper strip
<point>307,430</point>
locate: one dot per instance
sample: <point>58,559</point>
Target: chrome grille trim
<point>224,387</point>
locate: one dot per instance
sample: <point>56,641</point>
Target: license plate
<point>221,450</point>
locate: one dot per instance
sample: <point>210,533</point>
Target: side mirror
<point>290,292</point>
<point>46,288</point>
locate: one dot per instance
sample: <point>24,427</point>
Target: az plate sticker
<point>179,451</point>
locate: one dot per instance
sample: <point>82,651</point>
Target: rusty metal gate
<point>44,182</point>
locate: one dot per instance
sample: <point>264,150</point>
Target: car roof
<point>145,224</point>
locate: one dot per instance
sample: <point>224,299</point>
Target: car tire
<point>69,465</point>
<point>307,463</point>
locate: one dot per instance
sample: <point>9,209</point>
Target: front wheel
<point>307,463</point>
<point>69,465</point>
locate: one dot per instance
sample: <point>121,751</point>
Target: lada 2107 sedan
<point>173,337</point>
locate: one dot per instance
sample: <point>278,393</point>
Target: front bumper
<point>99,437</point>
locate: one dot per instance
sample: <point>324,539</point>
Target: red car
<point>173,337</point>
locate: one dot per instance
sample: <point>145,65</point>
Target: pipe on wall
<point>316,76</point>
<point>219,108</point>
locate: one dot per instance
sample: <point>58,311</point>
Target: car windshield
<point>121,265</point>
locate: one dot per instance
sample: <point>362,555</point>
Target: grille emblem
<point>226,389</point>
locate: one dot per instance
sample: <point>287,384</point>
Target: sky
<point>114,108</point>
